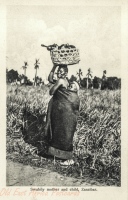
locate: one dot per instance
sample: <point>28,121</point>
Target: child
<point>74,87</point>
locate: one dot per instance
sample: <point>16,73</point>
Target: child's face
<point>73,87</point>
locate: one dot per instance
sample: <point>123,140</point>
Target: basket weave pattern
<point>68,56</point>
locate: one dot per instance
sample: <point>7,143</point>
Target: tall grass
<point>97,140</point>
<point>98,136</point>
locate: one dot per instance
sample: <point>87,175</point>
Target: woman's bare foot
<point>67,162</point>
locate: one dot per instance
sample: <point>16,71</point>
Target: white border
<point>108,193</point>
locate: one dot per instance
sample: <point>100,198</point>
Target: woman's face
<point>61,73</point>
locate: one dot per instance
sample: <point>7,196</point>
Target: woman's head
<point>62,71</point>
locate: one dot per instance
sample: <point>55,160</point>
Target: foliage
<point>97,140</point>
<point>11,76</point>
<point>73,78</point>
<point>98,136</point>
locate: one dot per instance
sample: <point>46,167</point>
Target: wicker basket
<point>64,54</point>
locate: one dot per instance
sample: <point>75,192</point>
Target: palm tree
<point>89,75</point>
<point>36,67</point>
<point>25,67</point>
<point>79,74</point>
<point>104,75</point>
<point>104,80</point>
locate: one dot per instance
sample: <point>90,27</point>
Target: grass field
<point>97,140</point>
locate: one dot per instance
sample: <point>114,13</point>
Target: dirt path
<point>25,175</point>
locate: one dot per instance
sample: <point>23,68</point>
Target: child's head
<point>74,86</point>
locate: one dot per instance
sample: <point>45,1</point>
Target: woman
<point>61,116</point>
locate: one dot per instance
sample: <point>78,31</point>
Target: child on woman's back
<point>74,87</point>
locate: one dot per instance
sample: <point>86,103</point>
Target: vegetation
<point>97,140</point>
<point>25,67</point>
<point>36,66</point>
<point>79,74</point>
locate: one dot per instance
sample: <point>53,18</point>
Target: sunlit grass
<point>98,135</point>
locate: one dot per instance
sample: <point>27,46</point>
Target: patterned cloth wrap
<point>64,113</point>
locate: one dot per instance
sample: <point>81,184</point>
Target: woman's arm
<point>58,83</point>
<point>50,77</point>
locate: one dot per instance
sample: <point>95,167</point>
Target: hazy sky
<point>95,30</point>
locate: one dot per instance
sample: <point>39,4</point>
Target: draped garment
<point>65,107</point>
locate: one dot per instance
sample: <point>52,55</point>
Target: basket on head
<point>64,55</point>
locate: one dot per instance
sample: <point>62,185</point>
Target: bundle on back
<point>64,54</point>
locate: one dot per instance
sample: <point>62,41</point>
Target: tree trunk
<point>87,83</point>
<point>24,72</point>
<point>25,76</point>
<point>35,77</point>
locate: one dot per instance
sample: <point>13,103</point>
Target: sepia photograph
<point>63,97</point>
<point>65,113</point>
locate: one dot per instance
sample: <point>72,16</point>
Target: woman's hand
<point>54,67</point>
